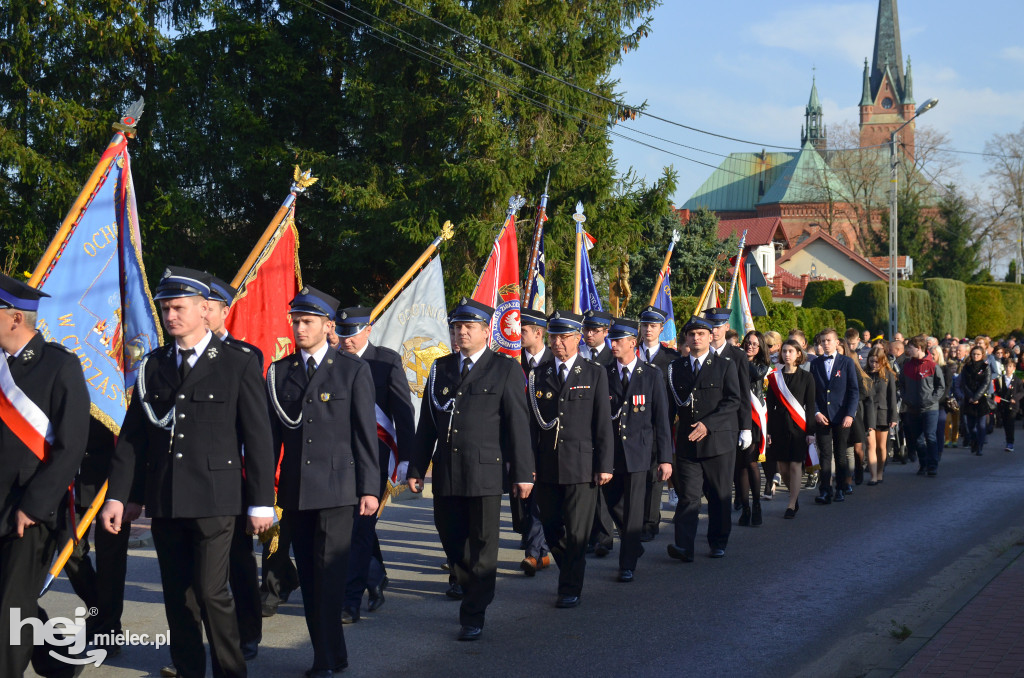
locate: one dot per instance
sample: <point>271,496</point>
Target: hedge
<point>949,307</point>
<point>869,301</point>
<point>781,316</point>
<point>1013,305</point>
<point>985,313</point>
<point>856,324</point>
<point>824,294</point>
<point>915,311</point>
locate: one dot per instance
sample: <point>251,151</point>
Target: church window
<point>886,102</point>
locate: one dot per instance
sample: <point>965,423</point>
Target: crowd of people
<point>609,414</point>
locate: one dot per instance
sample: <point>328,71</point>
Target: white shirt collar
<point>538,358</point>
<point>568,363</point>
<point>631,367</point>
<point>594,352</point>
<point>475,357</point>
<point>360,352</point>
<point>199,348</point>
<point>317,357</point>
<point>652,350</point>
<point>700,359</point>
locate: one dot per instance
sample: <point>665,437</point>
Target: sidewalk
<point>982,633</point>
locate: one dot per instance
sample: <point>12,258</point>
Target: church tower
<point>813,130</point>
<point>887,98</point>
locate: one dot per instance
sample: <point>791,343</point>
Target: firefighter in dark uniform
<point>322,401</point>
<point>393,402</point>
<point>706,391</point>
<point>473,421</point>
<point>640,415</point>
<point>595,348</point>
<point>40,381</point>
<point>572,440</point>
<point>652,322</point>
<point>525,516</point>
<point>197,401</point>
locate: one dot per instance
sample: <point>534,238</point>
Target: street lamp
<point>893,229</point>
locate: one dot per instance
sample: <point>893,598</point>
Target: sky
<point>743,69</point>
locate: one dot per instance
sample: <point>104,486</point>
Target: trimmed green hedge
<point>1013,305</point>
<point>949,306</point>
<point>869,301</point>
<point>781,315</point>
<point>912,284</point>
<point>856,324</point>
<point>824,294</point>
<point>915,311</point>
<point>985,313</point>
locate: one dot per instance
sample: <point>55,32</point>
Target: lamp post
<point>893,229</point>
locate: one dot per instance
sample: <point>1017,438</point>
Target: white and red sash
<point>386,433</point>
<point>23,416</point>
<point>759,415</point>
<point>796,410</point>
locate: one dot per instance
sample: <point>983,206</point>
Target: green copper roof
<point>814,104</point>
<point>865,93</point>
<point>740,182</point>
<point>908,96</point>
<point>807,179</point>
<point>887,51</point>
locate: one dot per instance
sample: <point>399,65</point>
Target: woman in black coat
<point>787,439</point>
<point>975,378</point>
<point>885,412</point>
<point>1009,390</point>
<point>747,475</point>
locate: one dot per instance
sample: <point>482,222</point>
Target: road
<point>818,595</point>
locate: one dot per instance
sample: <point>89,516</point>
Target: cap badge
<point>167,273</point>
<point>344,315</point>
<point>463,301</point>
<point>304,290</point>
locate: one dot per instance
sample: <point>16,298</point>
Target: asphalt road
<point>818,595</point>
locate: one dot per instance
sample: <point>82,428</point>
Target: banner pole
<point>447,231</point>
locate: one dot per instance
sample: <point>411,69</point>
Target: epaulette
<point>237,346</point>
<point>62,347</point>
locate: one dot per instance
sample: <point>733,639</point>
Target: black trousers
<point>365,549</point>
<point>194,557</point>
<point>603,531</point>
<point>24,563</point>
<point>625,495</point>
<point>832,443</point>
<point>101,587</point>
<point>712,475</point>
<point>321,539</point>
<point>280,577</point>
<point>652,500</point>
<point>567,514</point>
<point>469,529</point>
<point>245,584</point>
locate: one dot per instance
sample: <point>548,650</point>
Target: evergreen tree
<point>1011,272</point>
<point>698,252</point>
<point>914,236</point>
<point>955,249</point>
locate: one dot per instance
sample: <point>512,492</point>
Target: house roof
<point>760,230</point>
<point>824,237</point>
<point>739,182</point>
<point>883,262</point>
<point>807,179</point>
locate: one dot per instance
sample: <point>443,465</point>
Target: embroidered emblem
<point>28,355</point>
<point>211,352</point>
<point>577,369</point>
<point>444,391</point>
<point>330,361</point>
<point>325,397</point>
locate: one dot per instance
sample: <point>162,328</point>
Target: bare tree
<point>863,180</point>
<point>1007,174</point>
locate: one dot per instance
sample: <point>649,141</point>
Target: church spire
<point>865,92</point>
<point>908,94</point>
<point>813,131</point>
<point>888,52</point>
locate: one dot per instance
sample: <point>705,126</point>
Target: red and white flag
<point>499,287</point>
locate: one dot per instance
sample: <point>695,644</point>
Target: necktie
<point>467,364</point>
<point>647,355</point>
<point>184,368</point>
<point>10,360</point>
<point>533,362</point>
<point>625,380</point>
<point>310,368</point>
<point>695,366</point>
<point>562,372</point>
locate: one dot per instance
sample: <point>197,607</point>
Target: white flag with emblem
<point>416,325</point>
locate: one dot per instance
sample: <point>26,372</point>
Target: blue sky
<point>743,69</point>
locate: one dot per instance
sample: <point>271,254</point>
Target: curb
<point>905,651</point>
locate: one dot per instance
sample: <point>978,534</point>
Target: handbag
<point>951,404</point>
<point>988,404</point>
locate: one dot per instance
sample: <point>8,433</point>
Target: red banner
<point>499,287</point>
<point>260,312</point>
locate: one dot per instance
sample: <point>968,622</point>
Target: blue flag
<point>535,299</point>
<point>589,298</point>
<point>100,306</point>
<point>664,301</point>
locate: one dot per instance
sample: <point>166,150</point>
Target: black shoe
<point>718,553</point>
<point>921,471</point>
<point>646,535</point>
<point>250,650</point>
<point>349,616</point>
<point>737,504</point>
<point>849,489</point>
<point>756,519</point>
<point>454,592</point>
<point>268,610</point>
<point>679,554</point>
<point>933,472</point>
<point>327,673</point>
<point>567,601</point>
<point>823,499</point>
<point>912,456</point>
<point>375,598</point>
<point>170,671</point>
<point>601,550</point>
<point>470,633</point>
<point>838,496</point>
<point>790,513</point>
<point>744,520</point>
<point>626,575</point>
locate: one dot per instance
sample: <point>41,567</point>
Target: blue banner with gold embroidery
<point>663,300</point>
<point>100,306</point>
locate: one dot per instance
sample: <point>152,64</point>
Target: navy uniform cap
<point>528,316</point>
<point>564,322</point>
<point>178,282</point>
<point>312,301</point>
<point>697,323</point>
<point>220,290</point>
<point>352,320</point>
<point>471,311</point>
<point>623,327</point>
<point>594,318</point>
<point>653,314</point>
<point>17,295</point>
<point>717,316</point>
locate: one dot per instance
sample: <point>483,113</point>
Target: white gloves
<point>746,440</point>
<point>402,469</point>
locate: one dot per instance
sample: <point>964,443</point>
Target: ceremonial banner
<point>100,306</point>
<point>709,296</point>
<point>741,319</point>
<point>589,299</point>
<point>499,287</point>
<point>538,289</point>
<point>663,300</point>
<point>416,326</point>
<point>259,314</point>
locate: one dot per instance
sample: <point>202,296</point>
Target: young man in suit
<point>706,392</point>
<point>393,407</point>
<point>472,423</point>
<point>197,401</point>
<point>322,413</point>
<point>572,440</point>
<point>640,416</point>
<point>525,515</point>
<point>836,393</point>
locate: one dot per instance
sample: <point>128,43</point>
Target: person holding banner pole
<point>790,403</point>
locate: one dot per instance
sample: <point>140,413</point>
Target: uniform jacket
<point>391,394</point>
<point>191,467</point>
<point>95,466</point>
<point>51,377</point>
<point>604,358</point>
<point>836,397</point>
<point>330,459</point>
<point>715,402</point>
<point>472,428</point>
<point>584,434</point>
<point>662,359</point>
<point>546,357</point>
<point>640,419</point>
<point>738,356</point>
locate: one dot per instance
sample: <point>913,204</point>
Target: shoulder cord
<point>555,423</point>
<point>448,407</point>
<point>272,392</point>
<point>672,385</point>
<point>167,422</point>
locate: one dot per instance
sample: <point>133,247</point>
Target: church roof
<point>888,52</point>
<point>740,182</point>
<point>814,104</point>
<point>806,179</point>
